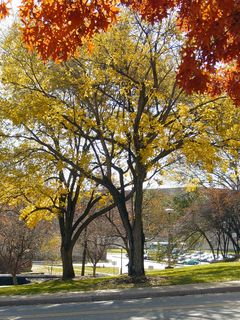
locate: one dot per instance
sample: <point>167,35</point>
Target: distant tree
<point>118,231</point>
<point>99,238</point>
<point>214,216</point>
<point>155,218</point>
<point>50,250</point>
<point>213,210</point>
<point>18,244</point>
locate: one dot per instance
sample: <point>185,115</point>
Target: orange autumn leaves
<point>56,28</point>
<point>210,57</point>
<point>4,8</point>
<point>151,10</point>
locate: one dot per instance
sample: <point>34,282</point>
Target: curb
<point>124,294</point>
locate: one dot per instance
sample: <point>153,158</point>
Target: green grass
<point>117,250</point>
<point>53,286</point>
<point>107,270</point>
<point>206,273</point>
<point>216,272</point>
<point>57,270</point>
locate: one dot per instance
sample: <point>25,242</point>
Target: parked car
<point>191,262</point>
<point>6,279</point>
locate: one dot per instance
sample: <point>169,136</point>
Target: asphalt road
<point>197,307</point>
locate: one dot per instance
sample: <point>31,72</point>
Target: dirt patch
<point>125,281</point>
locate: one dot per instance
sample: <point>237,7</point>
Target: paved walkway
<point>133,293</point>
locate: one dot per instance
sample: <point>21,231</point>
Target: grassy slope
<point>57,270</point>
<point>196,274</point>
<point>215,272</point>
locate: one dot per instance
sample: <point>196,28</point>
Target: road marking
<point>111,310</point>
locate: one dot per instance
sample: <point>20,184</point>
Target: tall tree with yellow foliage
<point>123,99</point>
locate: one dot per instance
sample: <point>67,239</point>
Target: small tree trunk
<point>15,281</point>
<point>94,270</point>
<point>84,255</point>
<point>67,263</point>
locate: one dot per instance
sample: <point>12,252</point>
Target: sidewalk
<point>133,293</point>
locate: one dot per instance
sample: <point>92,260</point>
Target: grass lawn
<point>117,250</point>
<point>206,273</point>
<point>215,272</point>
<point>57,270</point>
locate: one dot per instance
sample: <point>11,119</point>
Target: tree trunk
<point>136,261</point>
<point>84,255</point>
<point>235,243</point>
<point>94,270</point>
<point>15,281</point>
<point>133,226</point>
<point>209,242</point>
<point>67,263</point>
<point>136,243</point>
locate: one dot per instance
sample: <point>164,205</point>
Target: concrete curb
<point>124,294</point>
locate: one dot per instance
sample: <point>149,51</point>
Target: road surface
<point>197,307</point>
